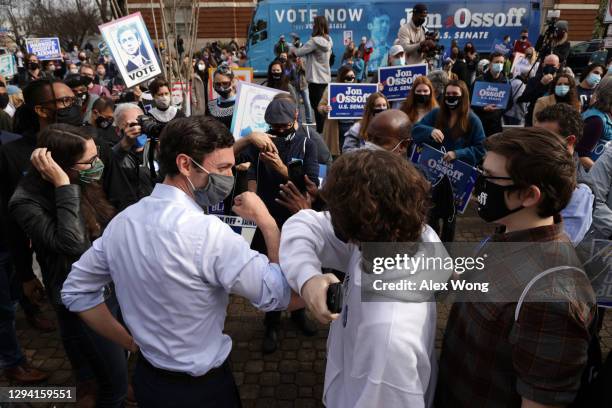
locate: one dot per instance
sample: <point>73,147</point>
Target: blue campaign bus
<point>482,22</point>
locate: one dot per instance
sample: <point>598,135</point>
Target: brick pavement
<point>290,377</point>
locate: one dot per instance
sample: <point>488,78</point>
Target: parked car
<point>580,54</point>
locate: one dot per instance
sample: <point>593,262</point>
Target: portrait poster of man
<point>251,103</point>
<point>132,49</point>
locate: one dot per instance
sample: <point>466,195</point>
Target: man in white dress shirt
<point>174,266</point>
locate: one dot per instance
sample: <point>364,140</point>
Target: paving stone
<point>287,392</point>
<point>269,378</point>
<point>254,366</point>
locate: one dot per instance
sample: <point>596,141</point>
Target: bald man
<point>390,130</point>
<point>538,85</point>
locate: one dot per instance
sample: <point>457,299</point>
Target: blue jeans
<point>94,356</point>
<point>307,108</point>
<point>10,352</point>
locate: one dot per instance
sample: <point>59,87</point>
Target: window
<point>580,48</point>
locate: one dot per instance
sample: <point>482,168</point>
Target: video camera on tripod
<point>554,31</point>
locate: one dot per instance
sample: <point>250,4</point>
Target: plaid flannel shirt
<point>490,360</point>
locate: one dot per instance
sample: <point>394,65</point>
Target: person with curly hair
<point>380,354</point>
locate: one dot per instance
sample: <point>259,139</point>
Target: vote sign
<point>397,81</point>
<point>491,93</point>
<point>347,101</point>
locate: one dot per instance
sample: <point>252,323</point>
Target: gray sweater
<point>317,52</point>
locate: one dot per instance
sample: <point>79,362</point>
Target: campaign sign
<point>600,148</point>
<point>44,48</point>
<point>252,100</point>
<point>397,81</point>
<point>132,49</point>
<point>348,101</point>
<point>491,93</point>
<point>240,226</point>
<point>7,65</point>
<point>462,176</point>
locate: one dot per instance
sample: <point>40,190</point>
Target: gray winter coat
<point>317,52</point>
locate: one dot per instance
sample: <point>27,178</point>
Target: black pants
<point>95,357</point>
<point>157,388</point>
<point>315,92</point>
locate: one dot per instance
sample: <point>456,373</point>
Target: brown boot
<point>25,374</point>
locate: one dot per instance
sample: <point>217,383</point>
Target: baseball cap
<point>396,49</point>
<point>280,111</point>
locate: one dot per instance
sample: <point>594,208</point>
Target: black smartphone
<point>334,297</point>
<point>296,174</point>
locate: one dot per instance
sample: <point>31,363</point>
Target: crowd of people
<point>116,192</point>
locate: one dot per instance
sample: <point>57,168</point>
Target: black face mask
<point>276,77</point>
<point>283,60</point>
<point>422,99</point>
<point>376,111</point>
<point>419,21</point>
<point>524,37</point>
<point>492,201</point>
<point>284,133</point>
<point>70,115</point>
<point>103,123</point>
<point>33,66</point>
<point>452,102</point>
<point>223,92</point>
<point>4,100</point>
<point>549,69</point>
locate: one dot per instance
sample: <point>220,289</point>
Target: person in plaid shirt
<point>490,357</point>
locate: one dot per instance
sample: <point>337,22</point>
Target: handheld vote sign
<point>491,93</point>
<point>45,49</point>
<point>347,101</point>
<point>397,81</point>
<point>130,45</point>
<point>240,226</point>
<point>462,176</point>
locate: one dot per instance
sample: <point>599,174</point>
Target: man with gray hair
<point>127,178</point>
<point>538,85</point>
<point>439,79</point>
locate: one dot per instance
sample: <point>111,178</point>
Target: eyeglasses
<point>65,102</point>
<point>91,162</point>
<point>403,143</point>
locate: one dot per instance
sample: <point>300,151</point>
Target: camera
<point>150,126</point>
<point>432,48</point>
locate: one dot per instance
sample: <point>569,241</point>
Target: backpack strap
<point>534,280</point>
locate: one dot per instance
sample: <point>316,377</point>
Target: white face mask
<point>162,102</point>
<point>74,71</point>
<point>201,67</point>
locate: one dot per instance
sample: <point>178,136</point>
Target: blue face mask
<point>593,79</point>
<point>497,67</point>
<point>561,90</point>
<point>141,140</point>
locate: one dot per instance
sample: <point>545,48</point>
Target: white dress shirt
<point>379,354</point>
<point>173,268</point>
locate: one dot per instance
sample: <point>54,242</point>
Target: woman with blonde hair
<point>356,136</point>
<point>421,100</point>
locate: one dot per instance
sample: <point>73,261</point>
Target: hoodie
<point>317,52</point>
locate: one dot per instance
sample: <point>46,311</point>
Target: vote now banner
<point>46,49</point>
<point>347,101</point>
<point>397,81</point>
<point>461,175</point>
<point>491,93</point>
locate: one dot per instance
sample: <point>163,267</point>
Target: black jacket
<point>14,163</point>
<point>533,90</point>
<point>125,179</point>
<point>51,218</point>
